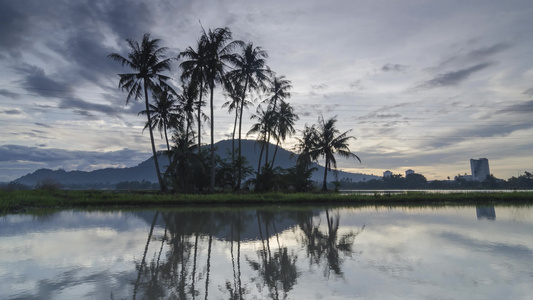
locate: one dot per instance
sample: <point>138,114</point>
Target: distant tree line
<point>418,181</point>
<point>297,178</point>
<point>240,69</point>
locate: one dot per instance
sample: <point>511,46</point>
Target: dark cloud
<point>11,112</point>
<point>43,125</point>
<point>9,94</point>
<point>321,86</point>
<point>477,55</point>
<point>472,133</point>
<point>484,52</point>
<point>521,108</point>
<point>452,78</point>
<point>393,67</point>
<point>36,81</point>
<point>529,91</point>
<point>357,85</point>
<point>84,108</point>
<point>14,26</point>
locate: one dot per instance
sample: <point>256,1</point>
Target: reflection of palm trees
<point>327,246</point>
<point>236,290</point>
<point>277,270</point>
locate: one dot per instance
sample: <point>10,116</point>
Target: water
<point>305,253</point>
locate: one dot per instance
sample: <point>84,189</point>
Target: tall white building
<point>480,169</point>
<point>409,172</point>
<point>387,174</point>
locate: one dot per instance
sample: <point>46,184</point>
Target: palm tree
<point>193,69</point>
<point>278,91</point>
<point>252,73</point>
<point>147,61</point>
<point>304,146</point>
<point>164,112</point>
<point>263,128</point>
<point>285,118</point>
<point>187,102</point>
<point>218,53</point>
<point>234,91</point>
<point>327,142</point>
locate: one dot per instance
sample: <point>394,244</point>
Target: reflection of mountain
<point>146,170</point>
<point>249,230</point>
<point>486,212</point>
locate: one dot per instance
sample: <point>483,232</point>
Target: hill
<point>145,171</point>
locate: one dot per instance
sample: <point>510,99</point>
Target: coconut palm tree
<point>278,91</point>
<point>219,54</point>
<point>194,70</point>
<point>147,61</point>
<point>187,102</point>
<point>328,141</point>
<point>252,73</point>
<point>304,146</point>
<point>285,120</point>
<point>263,128</point>
<point>164,112</point>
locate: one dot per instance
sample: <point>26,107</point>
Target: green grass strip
<point>20,201</point>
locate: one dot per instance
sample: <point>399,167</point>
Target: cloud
<point>357,85</point>
<point>14,30</point>
<point>36,81</point>
<point>521,108</point>
<point>11,111</point>
<point>472,133</point>
<point>529,91</point>
<point>393,68</point>
<point>452,78</point>
<point>16,160</point>
<point>9,94</point>
<point>477,55</point>
<point>321,86</point>
<point>83,107</point>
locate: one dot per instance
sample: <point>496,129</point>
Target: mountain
<point>146,170</point>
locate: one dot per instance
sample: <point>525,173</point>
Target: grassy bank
<point>19,201</point>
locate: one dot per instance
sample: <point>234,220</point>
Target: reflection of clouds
<point>55,261</point>
<point>402,253</point>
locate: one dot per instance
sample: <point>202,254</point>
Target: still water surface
<point>270,253</point>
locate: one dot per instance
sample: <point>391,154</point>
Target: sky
<point>422,85</point>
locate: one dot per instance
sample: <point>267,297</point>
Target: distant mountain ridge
<point>145,171</point>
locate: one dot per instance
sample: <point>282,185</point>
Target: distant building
<point>480,169</point>
<point>409,172</point>
<point>387,174</point>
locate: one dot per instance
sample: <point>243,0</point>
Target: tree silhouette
<point>251,72</point>
<point>164,113</point>
<point>327,141</point>
<point>219,49</point>
<point>147,60</point>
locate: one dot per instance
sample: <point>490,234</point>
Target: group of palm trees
<point>241,70</point>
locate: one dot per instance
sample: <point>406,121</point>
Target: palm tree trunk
<point>143,262</point>
<point>208,263</point>
<point>260,157</point>
<point>193,291</point>
<point>239,179</point>
<point>200,119</point>
<point>324,185</point>
<point>168,145</point>
<point>212,186</point>
<point>275,151</point>
<point>159,178</point>
<point>233,145</point>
